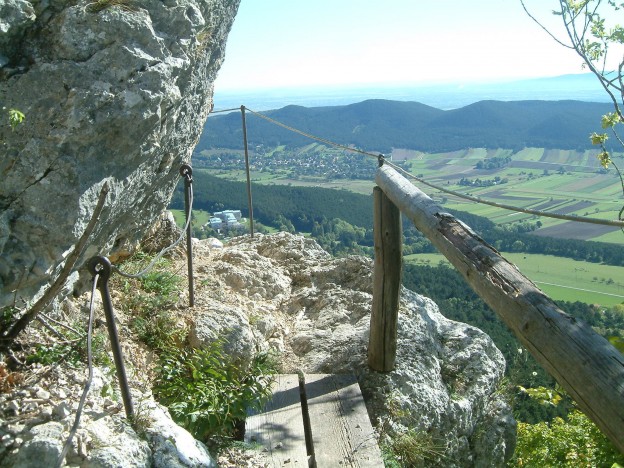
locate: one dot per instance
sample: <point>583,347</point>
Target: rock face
<point>40,421</point>
<point>283,293</point>
<point>290,295</point>
<point>111,93</point>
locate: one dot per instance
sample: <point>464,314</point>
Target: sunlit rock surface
<point>314,309</point>
<point>115,94</point>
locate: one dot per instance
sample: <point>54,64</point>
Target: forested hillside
<point>309,209</point>
<point>380,125</point>
<point>341,222</point>
<point>301,205</point>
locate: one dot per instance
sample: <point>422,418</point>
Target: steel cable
<point>603,222</point>
<point>151,265</point>
<point>220,111</point>
<point>87,386</point>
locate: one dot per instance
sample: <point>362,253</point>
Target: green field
<point>560,278</point>
<point>561,181</point>
<point>200,217</point>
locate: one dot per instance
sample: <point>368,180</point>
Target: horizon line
<point>395,84</point>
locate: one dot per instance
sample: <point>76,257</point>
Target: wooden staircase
<point>316,420</point>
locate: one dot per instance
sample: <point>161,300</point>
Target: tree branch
<point>543,27</point>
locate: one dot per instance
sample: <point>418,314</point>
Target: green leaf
<point>604,158</point>
<point>598,138</point>
<point>617,342</point>
<point>609,120</point>
<point>15,117</point>
<point>617,34</point>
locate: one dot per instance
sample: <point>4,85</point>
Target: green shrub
<point>8,316</point>
<point>54,353</point>
<point>575,442</point>
<point>149,302</point>
<point>162,283</point>
<point>15,118</point>
<point>73,352</point>
<point>408,447</point>
<point>415,448</point>
<point>208,394</point>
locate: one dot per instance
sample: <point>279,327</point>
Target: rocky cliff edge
<point>283,292</point>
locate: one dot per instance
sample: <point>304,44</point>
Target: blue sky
<point>296,43</point>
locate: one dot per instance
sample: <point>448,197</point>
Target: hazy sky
<point>290,43</point>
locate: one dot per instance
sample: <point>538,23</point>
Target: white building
<point>215,223</point>
<point>224,214</point>
<point>228,218</point>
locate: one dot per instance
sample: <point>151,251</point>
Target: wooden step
<point>320,422</point>
<point>279,427</point>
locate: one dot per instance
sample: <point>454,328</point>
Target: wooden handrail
<point>586,365</point>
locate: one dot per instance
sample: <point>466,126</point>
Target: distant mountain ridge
<point>379,125</point>
<point>440,94</point>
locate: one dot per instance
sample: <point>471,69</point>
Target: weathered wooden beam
<point>279,427</point>
<point>386,283</point>
<point>584,363</point>
<point>342,433</point>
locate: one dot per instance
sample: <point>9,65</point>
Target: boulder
<point>217,321</point>
<point>173,446</point>
<point>111,93</point>
<point>315,311</point>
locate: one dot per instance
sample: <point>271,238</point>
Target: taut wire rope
<point>312,137</point>
<point>220,111</point>
<point>604,222</point>
<point>149,267</point>
<point>87,385</point>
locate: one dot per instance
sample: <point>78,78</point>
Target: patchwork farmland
<point>559,181</point>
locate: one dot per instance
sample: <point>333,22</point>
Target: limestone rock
<point>220,321</point>
<point>43,448</point>
<point>117,95</point>
<point>15,17</point>
<point>174,447</point>
<point>315,309</point>
<point>164,233</point>
<point>283,292</point>
<point>114,443</point>
<point>104,437</point>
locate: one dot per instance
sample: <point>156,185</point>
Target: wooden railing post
<point>586,365</point>
<point>249,198</point>
<point>386,282</point>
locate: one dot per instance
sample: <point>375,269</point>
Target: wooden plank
<point>586,365</point>
<point>341,429</point>
<point>388,236</point>
<point>279,427</point>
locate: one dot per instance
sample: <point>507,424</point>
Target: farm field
<point>560,278</point>
<point>358,186</point>
<point>560,181</point>
<point>200,217</point>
